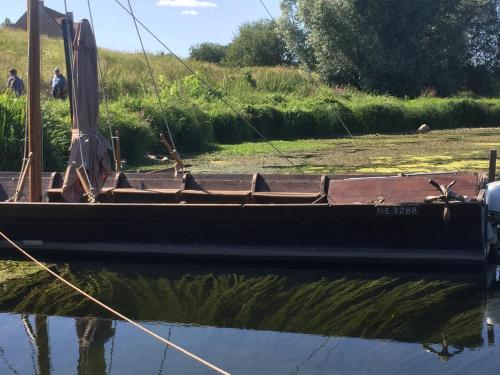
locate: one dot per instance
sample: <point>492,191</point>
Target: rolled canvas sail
<point>88,147</point>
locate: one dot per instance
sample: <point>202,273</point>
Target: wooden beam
<point>67,26</point>
<point>85,183</point>
<point>22,179</point>
<point>493,166</point>
<point>33,100</point>
<point>179,165</point>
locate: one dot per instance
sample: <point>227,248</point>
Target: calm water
<point>246,321</point>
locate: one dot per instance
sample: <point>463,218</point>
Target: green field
<point>303,116</point>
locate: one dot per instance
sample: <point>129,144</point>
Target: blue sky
<point>179,23</point>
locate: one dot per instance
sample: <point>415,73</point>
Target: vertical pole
<point>67,25</point>
<point>118,153</point>
<point>42,338</point>
<point>33,101</point>
<point>493,166</point>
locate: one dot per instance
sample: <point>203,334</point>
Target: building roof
<point>50,21</point>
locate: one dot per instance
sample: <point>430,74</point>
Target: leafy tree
<point>393,46</point>
<point>482,65</point>
<point>295,35</point>
<point>6,23</point>
<point>257,44</point>
<point>209,52</point>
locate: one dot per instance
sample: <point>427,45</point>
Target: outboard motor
<point>493,203</point>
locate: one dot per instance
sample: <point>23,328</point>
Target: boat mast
<point>33,101</point>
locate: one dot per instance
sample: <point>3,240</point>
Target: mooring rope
<point>111,310</point>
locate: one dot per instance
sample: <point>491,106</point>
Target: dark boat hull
<point>355,233</point>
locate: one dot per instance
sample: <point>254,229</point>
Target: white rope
<point>112,311</point>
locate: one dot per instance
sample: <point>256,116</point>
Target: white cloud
<point>187,3</point>
<point>190,12</point>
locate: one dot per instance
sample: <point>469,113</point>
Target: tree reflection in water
<point>444,316</point>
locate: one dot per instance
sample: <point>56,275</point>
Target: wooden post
<point>22,179</point>
<point>67,26</point>
<point>42,343</point>
<point>85,183</point>
<point>118,152</point>
<point>33,100</point>
<point>179,165</point>
<point>493,166</point>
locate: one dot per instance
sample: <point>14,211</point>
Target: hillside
<point>283,103</point>
<point>126,73</point>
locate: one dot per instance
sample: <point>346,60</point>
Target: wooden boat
<point>302,218</point>
<point>389,219</point>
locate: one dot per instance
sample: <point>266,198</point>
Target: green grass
<point>444,150</point>
<point>284,104</point>
<point>126,74</point>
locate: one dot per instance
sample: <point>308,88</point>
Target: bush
<point>196,123</point>
<point>190,127</point>
<point>208,52</point>
<point>381,118</point>
<point>309,119</point>
<point>325,117</point>
<point>136,136</point>
<point>257,44</point>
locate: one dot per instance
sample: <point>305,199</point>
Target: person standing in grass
<point>15,83</point>
<point>58,85</point>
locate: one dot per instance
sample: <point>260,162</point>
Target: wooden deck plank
<point>409,189</point>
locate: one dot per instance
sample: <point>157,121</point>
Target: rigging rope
<point>28,329</point>
<point>162,365</point>
<point>333,110</point>
<point>6,361</point>
<point>267,10</point>
<point>111,310</point>
<point>211,88</point>
<point>112,350</point>
<point>103,89</point>
<point>157,92</point>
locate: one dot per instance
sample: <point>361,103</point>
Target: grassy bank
<point>282,103</point>
<point>444,150</point>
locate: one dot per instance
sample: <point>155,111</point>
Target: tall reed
<point>12,115</point>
